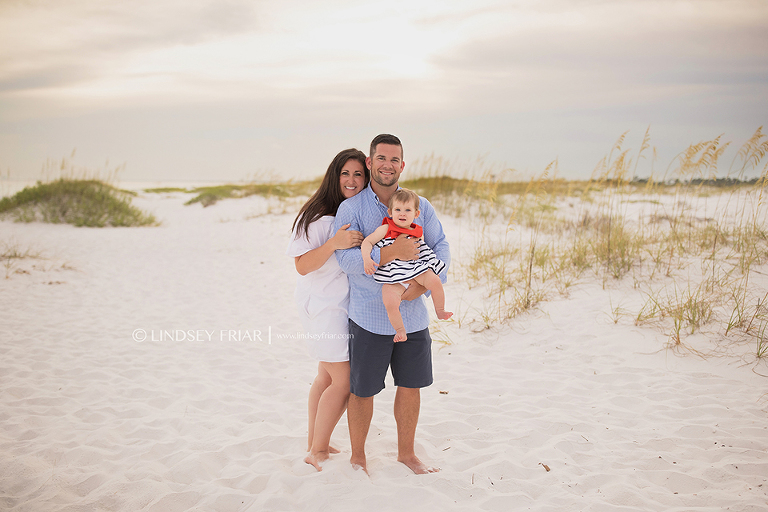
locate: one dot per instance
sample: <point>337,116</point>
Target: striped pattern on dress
<point>398,271</point>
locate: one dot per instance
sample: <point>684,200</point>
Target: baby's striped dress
<point>398,271</point>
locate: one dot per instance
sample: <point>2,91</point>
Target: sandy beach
<point>162,369</point>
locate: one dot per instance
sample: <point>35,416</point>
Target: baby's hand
<point>370,266</point>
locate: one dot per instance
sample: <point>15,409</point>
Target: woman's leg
<point>330,407</point>
<point>392,294</point>
<point>320,384</point>
<point>431,282</point>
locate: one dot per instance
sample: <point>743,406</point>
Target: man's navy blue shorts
<point>371,354</point>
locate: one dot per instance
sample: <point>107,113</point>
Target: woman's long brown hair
<point>327,198</point>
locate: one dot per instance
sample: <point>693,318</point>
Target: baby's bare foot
<point>400,335</point>
<point>443,315</point>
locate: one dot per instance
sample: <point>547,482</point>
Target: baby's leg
<point>392,294</point>
<point>431,282</point>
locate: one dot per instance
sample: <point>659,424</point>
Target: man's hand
<point>414,291</point>
<point>403,249</point>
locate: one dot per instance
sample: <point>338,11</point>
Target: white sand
<point>92,420</point>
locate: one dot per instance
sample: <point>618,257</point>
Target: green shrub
<point>91,203</point>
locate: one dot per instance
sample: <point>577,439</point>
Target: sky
<point>230,90</point>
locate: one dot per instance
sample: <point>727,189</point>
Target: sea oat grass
<point>167,190</point>
<point>11,252</point>
<point>91,203</point>
<point>693,233</point>
<point>208,196</point>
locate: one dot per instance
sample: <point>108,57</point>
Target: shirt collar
<point>372,195</point>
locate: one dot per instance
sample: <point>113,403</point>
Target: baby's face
<point>403,213</point>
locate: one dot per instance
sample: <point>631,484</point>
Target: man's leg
<point>359,414</point>
<point>412,370</point>
<point>407,406</point>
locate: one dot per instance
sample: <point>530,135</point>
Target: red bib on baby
<point>395,230</point>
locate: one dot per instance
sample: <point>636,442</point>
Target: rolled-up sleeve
<point>434,236</point>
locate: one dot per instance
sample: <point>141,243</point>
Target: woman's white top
<point>322,296</point>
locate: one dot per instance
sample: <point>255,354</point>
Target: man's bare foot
<point>400,335</point>
<point>443,315</point>
<point>417,466</point>
<point>358,464</point>
<point>317,459</point>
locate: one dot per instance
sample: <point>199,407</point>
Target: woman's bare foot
<point>359,464</point>
<point>317,459</point>
<point>443,315</point>
<point>331,449</point>
<point>417,466</point>
<point>400,335</point>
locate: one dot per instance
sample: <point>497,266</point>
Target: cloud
<point>599,59</point>
<point>91,38</point>
<point>158,82</point>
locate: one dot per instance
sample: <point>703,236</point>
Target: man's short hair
<point>385,138</point>
<point>404,196</point>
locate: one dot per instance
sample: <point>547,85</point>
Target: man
<point>371,346</point>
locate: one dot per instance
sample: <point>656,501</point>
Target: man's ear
<point>368,163</point>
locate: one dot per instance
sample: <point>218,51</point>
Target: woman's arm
<point>316,258</point>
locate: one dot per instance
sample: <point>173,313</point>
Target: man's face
<point>386,164</point>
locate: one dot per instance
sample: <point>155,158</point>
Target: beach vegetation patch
<point>210,195</point>
<point>80,202</point>
<point>167,190</point>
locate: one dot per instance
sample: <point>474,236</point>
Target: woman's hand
<point>344,239</point>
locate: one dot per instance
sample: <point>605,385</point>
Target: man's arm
<point>350,260</point>
<point>434,236</point>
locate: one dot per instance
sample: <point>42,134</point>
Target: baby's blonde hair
<point>403,195</point>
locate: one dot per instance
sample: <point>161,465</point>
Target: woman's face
<point>352,178</point>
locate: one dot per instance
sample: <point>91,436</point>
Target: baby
<point>396,275</point>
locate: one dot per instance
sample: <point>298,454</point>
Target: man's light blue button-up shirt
<point>364,212</point>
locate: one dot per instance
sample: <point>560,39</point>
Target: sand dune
<point>561,409</point>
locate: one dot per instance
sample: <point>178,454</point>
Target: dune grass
<point>87,202</point>
<point>210,195</point>
<point>76,195</point>
<point>687,241</point>
<point>11,252</point>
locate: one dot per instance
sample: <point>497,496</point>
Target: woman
<point>322,294</point>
